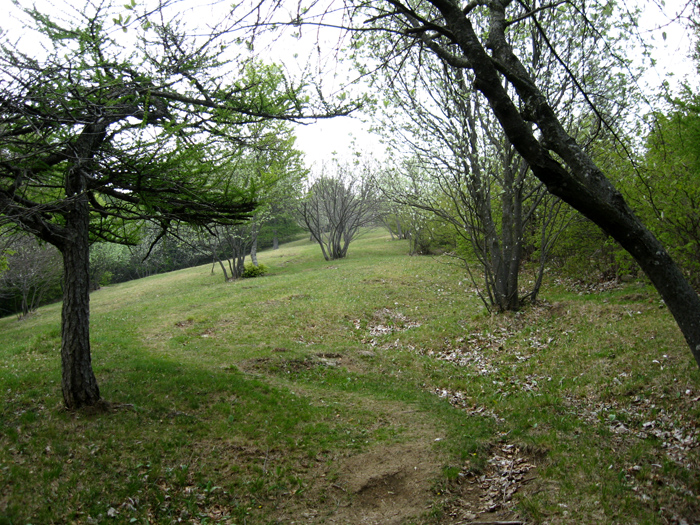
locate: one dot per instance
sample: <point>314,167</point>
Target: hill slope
<point>368,390</point>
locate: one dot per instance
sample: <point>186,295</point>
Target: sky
<point>342,137</point>
<point>345,136</point>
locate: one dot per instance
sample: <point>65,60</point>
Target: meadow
<point>373,389</point>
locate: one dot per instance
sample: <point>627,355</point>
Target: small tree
<point>229,246</point>
<point>336,206</point>
<point>33,270</point>
<point>126,119</point>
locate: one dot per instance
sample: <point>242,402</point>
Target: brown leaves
<point>463,402</point>
<point>643,419</point>
<point>385,322</point>
<point>506,471</point>
<point>488,494</point>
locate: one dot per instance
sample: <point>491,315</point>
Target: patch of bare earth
<point>389,484</point>
<point>395,483</point>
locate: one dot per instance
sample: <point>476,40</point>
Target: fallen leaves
<point>506,471</point>
<point>464,402</point>
<point>643,419</point>
<point>489,493</point>
<point>385,322</point>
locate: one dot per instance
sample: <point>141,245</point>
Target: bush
<point>254,271</point>
<point>106,278</point>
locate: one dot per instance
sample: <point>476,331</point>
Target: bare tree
<point>337,205</point>
<point>33,269</point>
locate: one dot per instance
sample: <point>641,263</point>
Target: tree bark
<point>254,230</point>
<point>581,183</point>
<point>78,383</point>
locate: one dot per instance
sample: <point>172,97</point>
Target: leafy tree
<point>668,188</point>
<point>108,264</point>
<point>403,187</point>
<point>478,37</point>
<point>124,119</point>
<point>279,169</point>
<point>282,227</point>
<point>282,166</point>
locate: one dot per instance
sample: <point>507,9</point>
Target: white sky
<point>343,136</point>
<point>672,53</point>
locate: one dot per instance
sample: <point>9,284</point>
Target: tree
<point>125,119</point>
<point>471,175</point>
<point>668,189</point>
<point>33,270</point>
<point>337,206</point>
<point>278,167</point>
<point>478,37</point>
<point>283,167</point>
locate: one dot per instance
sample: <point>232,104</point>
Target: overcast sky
<point>347,135</point>
<point>343,136</point>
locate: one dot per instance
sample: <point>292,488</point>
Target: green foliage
<point>193,137</point>
<point>586,253</point>
<point>107,263</point>
<point>281,227</point>
<point>106,278</point>
<point>667,191</point>
<point>255,271</point>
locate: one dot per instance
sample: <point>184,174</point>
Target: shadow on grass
<point>185,442</point>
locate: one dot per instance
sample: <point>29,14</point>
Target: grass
<point>232,400</point>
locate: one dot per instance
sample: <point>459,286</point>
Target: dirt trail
<point>396,483</point>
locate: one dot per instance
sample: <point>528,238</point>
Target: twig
<point>497,523</point>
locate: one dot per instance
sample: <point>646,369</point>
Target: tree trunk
<point>254,243</point>
<point>584,187</point>
<point>275,240</point>
<point>78,382</point>
<point>223,268</point>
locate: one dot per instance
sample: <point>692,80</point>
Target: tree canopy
<point>126,117</point>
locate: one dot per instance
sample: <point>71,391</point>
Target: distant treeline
<point>32,274</point>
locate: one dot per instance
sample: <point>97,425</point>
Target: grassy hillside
<point>373,389</point>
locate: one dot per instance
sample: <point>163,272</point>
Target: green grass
<point>233,398</point>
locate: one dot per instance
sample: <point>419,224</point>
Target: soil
<point>386,485</point>
<point>395,484</point>
<point>400,483</point>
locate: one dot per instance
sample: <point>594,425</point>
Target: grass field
<point>374,389</point>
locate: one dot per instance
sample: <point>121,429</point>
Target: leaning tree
<point>109,118</point>
<point>478,36</point>
<point>469,173</point>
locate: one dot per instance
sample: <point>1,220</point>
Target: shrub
<point>254,271</point>
<point>106,278</point>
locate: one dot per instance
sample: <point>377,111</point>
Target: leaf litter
<point>482,353</point>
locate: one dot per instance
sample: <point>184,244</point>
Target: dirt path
<point>401,481</point>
